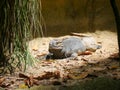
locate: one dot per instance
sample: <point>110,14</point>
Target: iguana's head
<point>55,44</point>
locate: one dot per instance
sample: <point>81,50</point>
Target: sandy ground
<point>108,40</point>
<point>66,71</point>
<point>39,47</point>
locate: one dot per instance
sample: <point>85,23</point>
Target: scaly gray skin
<point>71,47</point>
<point>55,47</point>
<point>90,43</point>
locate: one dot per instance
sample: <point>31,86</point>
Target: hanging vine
<point>20,21</point>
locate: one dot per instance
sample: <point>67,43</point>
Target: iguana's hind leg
<point>73,57</point>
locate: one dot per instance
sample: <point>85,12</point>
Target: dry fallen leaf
<point>113,66</point>
<point>49,75</point>
<point>41,54</point>
<point>81,76</point>
<point>35,49</point>
<point>29,81</point>
<point>87,53</point>
<point>80,35</point>
<point>23,75</point>
<point>2,80</point>
<point>116,75</point>
<point>114,56</point>
<point>97,68</point>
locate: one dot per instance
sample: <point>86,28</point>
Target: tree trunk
<point>19,19</point>
<point>117,20</point>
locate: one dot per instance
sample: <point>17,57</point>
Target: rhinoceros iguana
<point>72,46</point>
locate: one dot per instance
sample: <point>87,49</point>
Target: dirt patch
<point>39,47</point>
<point>102,63</point>
<point>107,39</point>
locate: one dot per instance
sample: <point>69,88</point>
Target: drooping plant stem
<point>20,21</point>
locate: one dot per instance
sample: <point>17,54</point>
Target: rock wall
<point>66,16</point>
